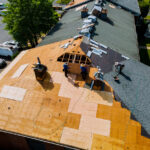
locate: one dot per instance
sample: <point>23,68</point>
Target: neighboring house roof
<point>130,5</point>
<point>119,33</point>
<point>134,90</point>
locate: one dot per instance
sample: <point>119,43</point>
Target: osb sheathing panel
<point>100,142</point>
<point>73,120</point>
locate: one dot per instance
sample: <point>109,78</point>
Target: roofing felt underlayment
<point>118,32</point>
<point>65,111</point>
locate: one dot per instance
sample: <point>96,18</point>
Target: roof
<point>133,90</point>
<point>130,5</point>
<point>63,110</point>
<point>121,36</point>
<point>107,60</point>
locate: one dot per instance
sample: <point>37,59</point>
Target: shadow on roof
<point>46,84</point>
<point>56,28</point>
<point>108,20</point>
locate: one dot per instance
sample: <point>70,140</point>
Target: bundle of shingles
<point>95,48</point>
<point>88,26</point>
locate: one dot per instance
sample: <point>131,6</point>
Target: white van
<point>5,51</point>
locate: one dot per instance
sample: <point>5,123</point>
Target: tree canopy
<point>27,20</point>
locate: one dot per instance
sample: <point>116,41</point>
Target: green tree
<point>27,20</point>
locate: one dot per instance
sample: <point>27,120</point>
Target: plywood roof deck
<point>57,110</point>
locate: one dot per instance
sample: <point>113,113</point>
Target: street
<point>4,36</point>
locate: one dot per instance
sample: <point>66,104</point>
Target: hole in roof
<point>78,52</point>
<point>74,44</point>
<point>73,51</point>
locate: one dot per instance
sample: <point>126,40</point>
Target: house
<point>66,113</point>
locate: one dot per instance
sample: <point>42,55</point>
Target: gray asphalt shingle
<point>121,36</point>
<point>131,5</point>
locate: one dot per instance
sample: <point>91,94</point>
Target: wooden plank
<point>106,143</point>
<point>73,120</point>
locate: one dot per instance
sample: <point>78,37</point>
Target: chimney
<point>39,70</point>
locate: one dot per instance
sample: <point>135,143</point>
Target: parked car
<point>8,51</point>
<point>3,12</point>
<point>2,6</point>
<point>2,63</point>
<point>11,44</point>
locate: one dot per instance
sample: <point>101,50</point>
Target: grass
<point>65,2</point>
<point>148,51</point>
<point>147,18</point>
<point>15,55</point>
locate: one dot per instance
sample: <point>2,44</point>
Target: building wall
<point>14,142</point>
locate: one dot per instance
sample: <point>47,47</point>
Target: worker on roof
<point>65,69</point>
<point>100,77</point>
<point>119,67</point>
<point>83,71</point>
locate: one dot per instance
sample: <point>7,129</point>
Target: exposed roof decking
<point>50,108</point>
<point>121,36</point>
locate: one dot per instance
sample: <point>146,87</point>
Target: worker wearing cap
<point>65,69</point>
<point>99,76</point>
<point>83,71</point>
<point>119,67</point>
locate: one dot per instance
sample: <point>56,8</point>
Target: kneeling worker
<point>100,77</point>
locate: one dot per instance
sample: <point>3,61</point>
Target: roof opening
<point>74,58</point>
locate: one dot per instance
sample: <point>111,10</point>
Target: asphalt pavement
<point>3,1</point>
<point>4,36</point>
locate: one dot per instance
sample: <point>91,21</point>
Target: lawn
<point>148,53</point>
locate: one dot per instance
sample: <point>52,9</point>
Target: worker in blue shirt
<point>83,71</point>
<point>65,69</point>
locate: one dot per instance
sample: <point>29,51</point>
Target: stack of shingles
<point>96,48</point>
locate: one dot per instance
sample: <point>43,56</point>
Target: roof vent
<point>39,70</point>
